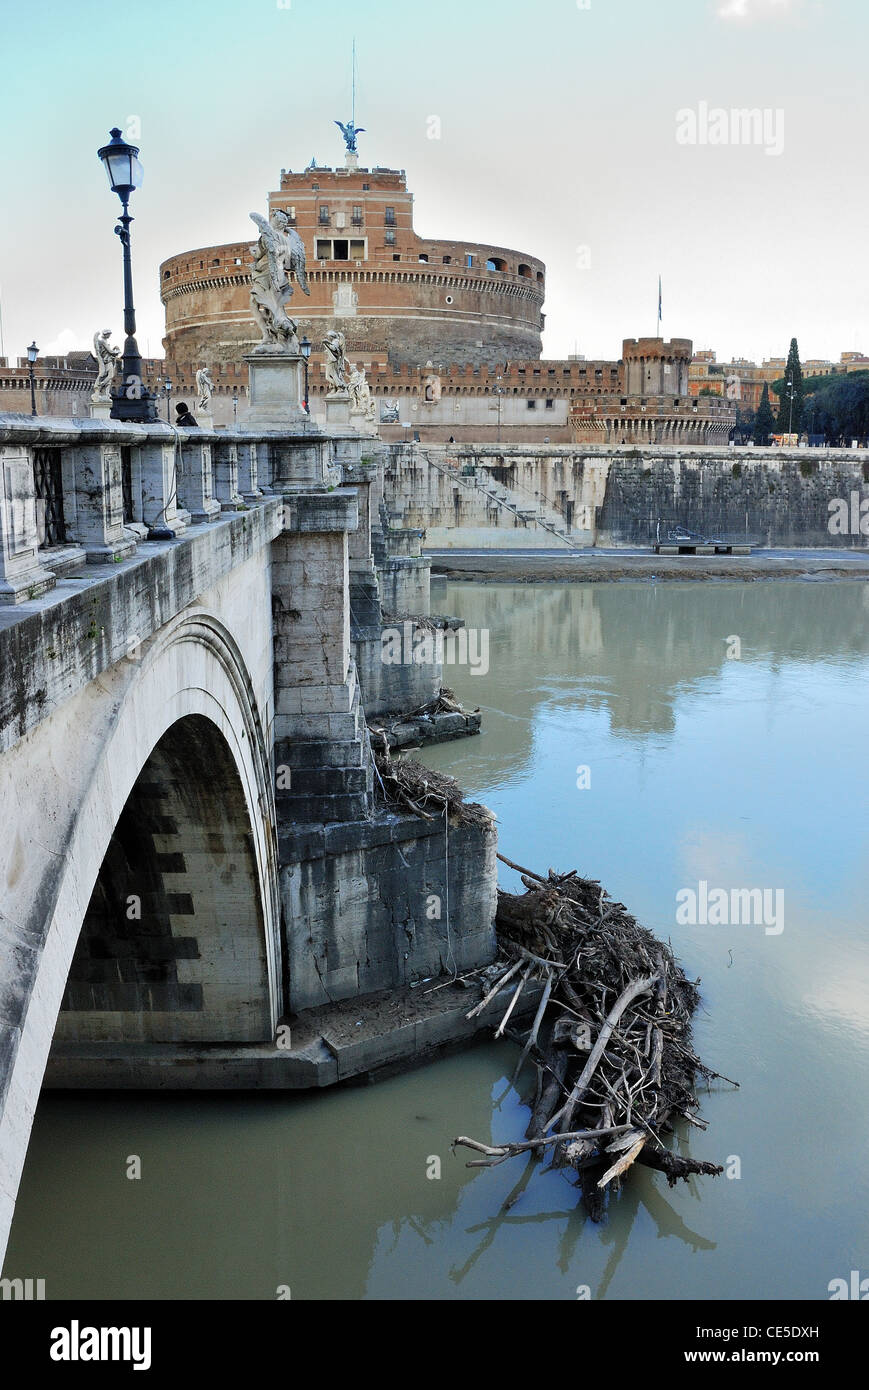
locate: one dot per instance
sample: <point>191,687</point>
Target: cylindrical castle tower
<point>371,276</point>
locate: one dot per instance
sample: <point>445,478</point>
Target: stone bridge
<point>196,876</point>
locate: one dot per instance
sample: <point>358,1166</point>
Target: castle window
<point>469,260</point>
<point>532,405</point>
<point>238,260</point>
<point>324,215</point>
<point>216,261</point>
<point>448,260</point>
<point>550,405</point>
<point>357,214</point>
<point>366,188</point>
<point>525,272</point>
<point>497,264</point>
<point>540,277</point>
<point>166,274</point>
<point>423,258</point>
<point>390,217</point>
<point>389,237</point>
<point>398,257</point>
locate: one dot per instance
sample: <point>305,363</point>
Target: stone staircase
<point>531,512</point>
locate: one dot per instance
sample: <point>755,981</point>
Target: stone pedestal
<point>338,409</point>
<point>225,467</point>
<point>204,419</point>
<point>360,421</point>
<point>248,472</point>
<point>161,463</point>
<point>196,483</point>
<point>99,501</point>
<point>276,390</point>
<point>100,410</point>
<point>22,574</point>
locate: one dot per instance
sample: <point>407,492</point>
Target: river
<point>653,736</point>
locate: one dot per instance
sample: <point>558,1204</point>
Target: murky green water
<point>742,773</point>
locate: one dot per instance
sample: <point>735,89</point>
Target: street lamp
<point>499,391</point>
<point>791,415</point>
<point>235,408</point>
<point>32,354</point>
<point>305,348</point>
<point>167,387</point>
<point>125,173</point>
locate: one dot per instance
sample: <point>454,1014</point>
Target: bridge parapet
<point>77,492</point>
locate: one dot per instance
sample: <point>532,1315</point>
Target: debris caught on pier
<point>610,1039</point>
<point>405,784</point>
<point>426,724</point>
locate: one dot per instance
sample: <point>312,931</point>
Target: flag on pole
<point>660,303</point>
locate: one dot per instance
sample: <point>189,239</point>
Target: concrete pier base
<point>356,1039</point>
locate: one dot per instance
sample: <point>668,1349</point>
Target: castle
<point>448,332</point>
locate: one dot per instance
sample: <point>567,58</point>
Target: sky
<point>594,134</point>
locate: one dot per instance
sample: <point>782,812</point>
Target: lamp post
<point>167,387</point>
<point>791,414</point>
<point>121,163</point>
<point>499,391</point>
<point>305,348</point>
<point>234,408</point>
<point>32,354</point>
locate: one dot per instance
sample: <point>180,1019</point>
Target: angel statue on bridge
<point>278,258</point>
<point>107,363</point>
<point>205,388</point>
<point>335,346</point>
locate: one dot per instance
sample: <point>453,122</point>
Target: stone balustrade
<point>75,492</point>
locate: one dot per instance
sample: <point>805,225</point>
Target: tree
<point>790,420</point>
<point>840,408</point>
<point>764,420</point>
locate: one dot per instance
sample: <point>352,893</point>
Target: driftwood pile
<point>610,1040</point>
<point>445,702</point>
<point>407,785</point>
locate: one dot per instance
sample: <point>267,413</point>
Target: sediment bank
<point>592,568</point>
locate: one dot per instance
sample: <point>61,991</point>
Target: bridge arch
<point>147,731</point>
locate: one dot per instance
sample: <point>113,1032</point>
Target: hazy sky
<point>564,130</point>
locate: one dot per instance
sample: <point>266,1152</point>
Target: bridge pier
<point>195,851</point>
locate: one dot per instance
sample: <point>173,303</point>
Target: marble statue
<point>205,387</point>
<point>334,344</point>
<point>360,395</point>
<point>107,363</point>
<point>278,259</point>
